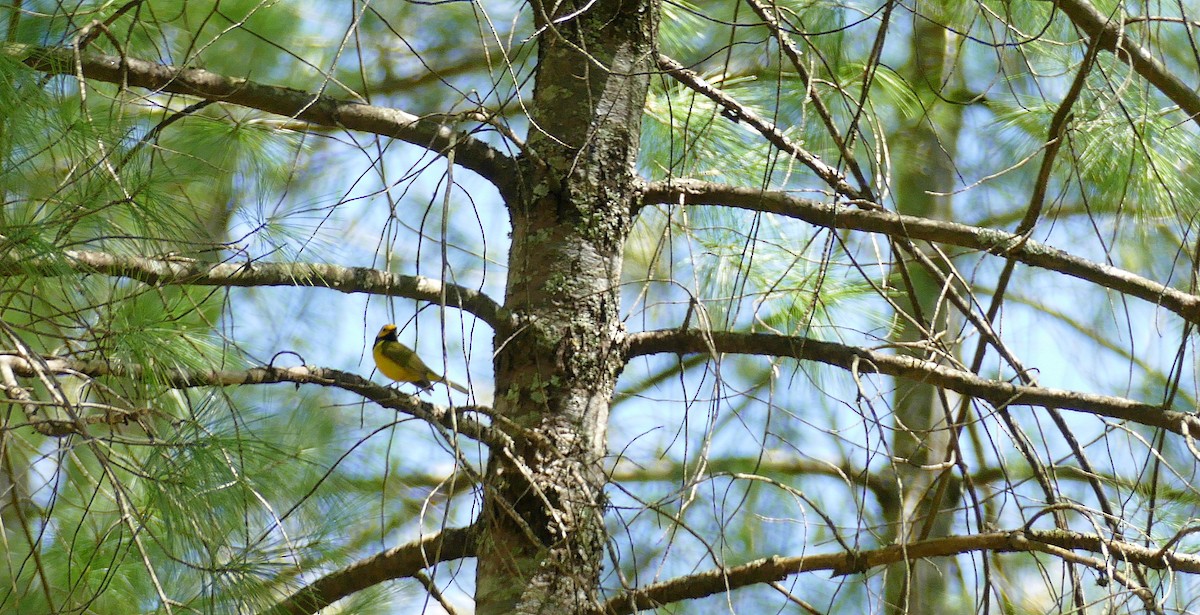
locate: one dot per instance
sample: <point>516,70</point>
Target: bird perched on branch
<point>401,364</point>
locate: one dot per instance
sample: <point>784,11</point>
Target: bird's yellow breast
<point>393,368</point>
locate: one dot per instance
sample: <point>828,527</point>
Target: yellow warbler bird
<point>401,364</point>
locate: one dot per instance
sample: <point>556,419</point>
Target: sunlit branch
<point>1113,37</point>
<point>1000,243</point>
<point>435,135</point>
<point>459,419</point>
<point>1054,542</point>
<point>396,563</point>
<point>863,361</point>
<point>188,272</point>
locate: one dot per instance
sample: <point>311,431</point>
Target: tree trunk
<point>543,531</point>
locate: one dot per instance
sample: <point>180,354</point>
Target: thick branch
<point>437,136</point>
<point>396,563</point>
<point>996,242</point>
<point>1112,36</point>
<point>862,361</point>
<point>777,568</point>
<point>167,272</point>
<point>457,419</point>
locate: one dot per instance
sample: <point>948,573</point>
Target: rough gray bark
<point>543,534</point>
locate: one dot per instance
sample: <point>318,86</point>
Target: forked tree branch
<point>436,135</point>
<point>396,563</point>
<point>1000,243</point>
<point>863,361</point>
<point>458,419</point>
<point>188,272</point>
<point>1055,542</point>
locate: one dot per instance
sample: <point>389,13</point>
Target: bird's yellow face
<point>386,333</point>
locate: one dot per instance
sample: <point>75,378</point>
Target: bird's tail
<point>456,386</point>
